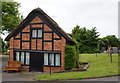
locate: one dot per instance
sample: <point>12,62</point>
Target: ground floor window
<point>46,59</point>
<point>52,59</point>
<point>24,57</point>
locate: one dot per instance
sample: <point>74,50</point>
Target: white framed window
<point>27,61</point>
<point>22,58</point>
<point>17,56</point>
<point>34,33</point>
<point>46,59</point>
<point>57,59</point>
<point>51,59</point>
<point>39,33</point>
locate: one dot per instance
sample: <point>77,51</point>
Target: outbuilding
<point>39,43</point>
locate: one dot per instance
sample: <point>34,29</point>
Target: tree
<point>109,42</point>
<point>10,16</point>
<point>4,46</point>
<point>87,39</point>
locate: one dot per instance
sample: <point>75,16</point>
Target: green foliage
<point>100,66</point>
<point>87,39</point>
<point>70,58</point>
<point>110,40</point>
<point>4,46</point>
<point>10,16</point>
<point>77,55</point>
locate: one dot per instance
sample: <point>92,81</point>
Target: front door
<point>36,61</point>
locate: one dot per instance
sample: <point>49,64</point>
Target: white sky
<point>102,14</point>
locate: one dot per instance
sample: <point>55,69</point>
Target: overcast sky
<point>85,13</point>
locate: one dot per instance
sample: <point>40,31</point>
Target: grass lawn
<point>100,66</point>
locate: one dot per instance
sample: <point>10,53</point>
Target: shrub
<point>70,60</point>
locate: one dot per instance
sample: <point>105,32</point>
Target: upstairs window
<point>36,33</point>
<point>39,33</point>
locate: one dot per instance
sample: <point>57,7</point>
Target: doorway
<point>36,61</point>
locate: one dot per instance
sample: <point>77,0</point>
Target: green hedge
<point>70,60</point>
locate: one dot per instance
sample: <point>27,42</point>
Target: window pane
<point>17,56</point>
<point>34,33</point>
<point>52,59</point>
<point>39,33</point>
<point>46,59</point>
<point>57,58</point>
<point>22,58</point>
<point>27,58</point>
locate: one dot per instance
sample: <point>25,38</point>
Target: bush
<point>70,60</point>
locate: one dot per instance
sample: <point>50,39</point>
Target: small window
<point>34,33</point>
<point>46,59</point>
<point>27,62</point>
<point>39,33</point>
<point>51,59</point>
<point>22,58</point>
<point>57,59</point>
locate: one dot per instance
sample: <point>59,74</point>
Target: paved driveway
<point>19,76</point>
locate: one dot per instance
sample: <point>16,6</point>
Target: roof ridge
<point>39,11</point>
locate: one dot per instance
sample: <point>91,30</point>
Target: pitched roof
<point>39,11</point>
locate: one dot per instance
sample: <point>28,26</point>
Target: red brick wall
<point>39,44</point>
<point>56,36</point>
<point>47,45</point>
<point>25,36</point>
<point>37,20</point>
<point>25,68</point>
<point>33,44</point>
<point>46,28</point>
<point>11,49</point>
<point>47,36</point>
<point>25,45</point>
<point>59,45</point>
<point>18,36</point>
<point>38,25</point>
<point>26,29</point>
<point>17,44</point>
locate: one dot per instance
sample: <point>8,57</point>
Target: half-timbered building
<point>38,42</point>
